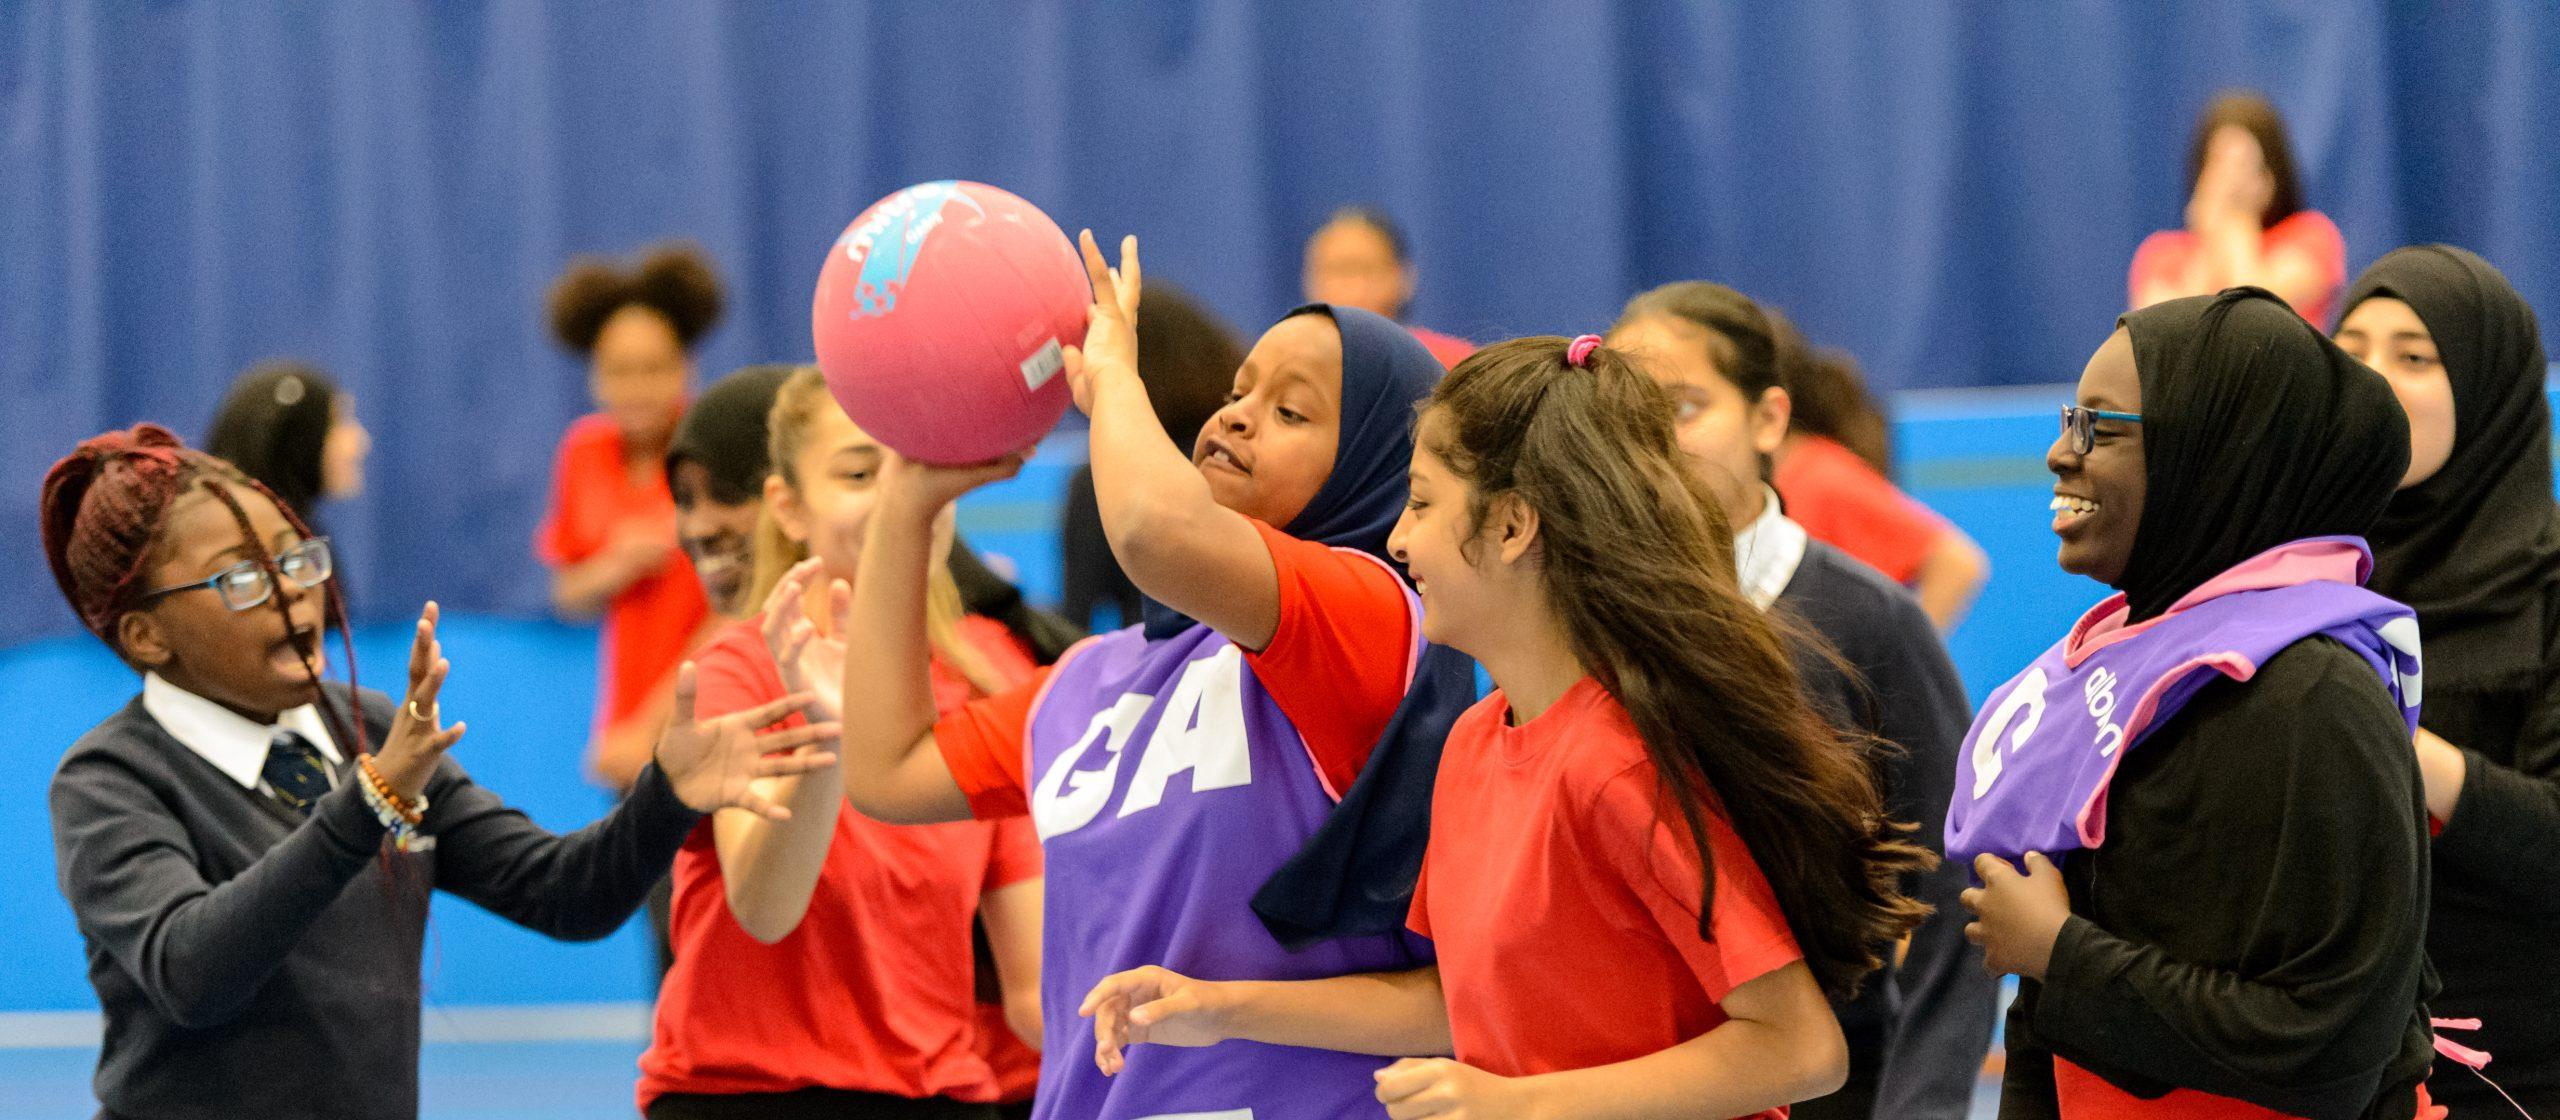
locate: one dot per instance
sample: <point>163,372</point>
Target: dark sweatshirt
<point>2253,925</point>
<point>2495,929</point>
<point>1917,1032</point>
<point>253,963</point>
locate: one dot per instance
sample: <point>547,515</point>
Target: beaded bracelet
<point>382,788</point>
<point>399,818</point>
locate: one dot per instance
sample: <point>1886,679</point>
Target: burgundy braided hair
<point>103,508</point>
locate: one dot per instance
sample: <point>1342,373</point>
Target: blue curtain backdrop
<point>1949,189</point>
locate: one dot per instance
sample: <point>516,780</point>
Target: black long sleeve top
<point>2254,925</point>
<point>251,962</point>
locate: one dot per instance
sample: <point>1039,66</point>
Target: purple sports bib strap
<point>2034,770</point>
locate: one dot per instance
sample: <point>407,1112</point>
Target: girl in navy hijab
<point>1233,788</point>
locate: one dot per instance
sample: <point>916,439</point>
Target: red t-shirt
<point>1338,666</point>
<point>2164,255</point>
<point>1566,895</point>
<point>648,628</point>
<point>874,990</point>
<point>1450,349</point>
<point>1844,503</point>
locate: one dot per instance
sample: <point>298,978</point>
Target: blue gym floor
<point>461,1081</point>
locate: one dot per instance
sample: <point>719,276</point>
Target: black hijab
<point>2256,430</point>
<point>2476,547</point>
<point>274,425</point>
<point>1355,876</point>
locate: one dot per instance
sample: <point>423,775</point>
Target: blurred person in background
<point>1359,258</point>
<point>610,537</point>
<point>716,466</point>
<point>610,533</point>
<point>289,426</point>
<point>2247,223</point>
<point>1833,476</point>
<point>1187,356</point>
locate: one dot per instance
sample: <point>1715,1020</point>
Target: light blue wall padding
<point>525,687</point>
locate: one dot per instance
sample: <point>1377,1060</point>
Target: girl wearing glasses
<point>2195,820</point>
<point>250,874</point>
<point>2472,543</point>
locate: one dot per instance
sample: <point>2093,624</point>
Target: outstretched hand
<point>810,662</point>
<point>714,763</point>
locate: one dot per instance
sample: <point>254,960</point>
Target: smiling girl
<point>2218,756</point>
<point>1650,857</point>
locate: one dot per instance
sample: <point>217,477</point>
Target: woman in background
<point>1917,1032</point>
<point>716,466</point>
<point>1359,258</point>
<point>610,534</point>
<point>2246,220</point>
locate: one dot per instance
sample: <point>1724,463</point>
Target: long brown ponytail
<point>1636,558</point>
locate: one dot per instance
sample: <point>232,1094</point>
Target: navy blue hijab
<point>1355,876</point>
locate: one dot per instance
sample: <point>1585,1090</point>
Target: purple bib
<point>1166,785</point>
<point>2034,770</point>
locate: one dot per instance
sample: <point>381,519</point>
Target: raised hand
<point>1151,1004</point>
<point>713,764</point>
<point>1111,328</point>
<point>418,740</point>
<point>810,662</point>
<point>920,490</point>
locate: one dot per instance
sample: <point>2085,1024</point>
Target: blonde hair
<point>797,406</point>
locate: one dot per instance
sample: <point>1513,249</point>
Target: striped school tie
<point>295,772</point>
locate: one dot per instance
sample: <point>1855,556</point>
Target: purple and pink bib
<point>2034,771</point>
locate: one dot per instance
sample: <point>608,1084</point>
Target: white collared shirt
<point>1766,553</point>
<point>228,740</point>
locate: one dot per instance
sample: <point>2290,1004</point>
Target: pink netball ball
<point>940,320</point>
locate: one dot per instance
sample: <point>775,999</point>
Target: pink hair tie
<point>1578,352</point>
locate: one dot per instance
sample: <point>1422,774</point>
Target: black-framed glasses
<point>245,584</point>
<point>2081,424</point>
